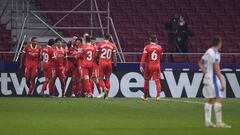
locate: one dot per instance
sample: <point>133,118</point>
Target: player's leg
<point>208,93</point>
<point>74,81</point>
<point>101,77</point>
<point>34,71</point>
<point>87,84</point>
<point>81,81</point>
<point>52,83</point>
<point>47,74</point>
<point>108,72</point>
<point>62,78</point>
<point>218,113</point>
<point>147,77</point>
<point>95,76</point>
<point>157,77</point>
<point>27,76</point>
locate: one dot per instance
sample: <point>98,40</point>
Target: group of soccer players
<point>91,63</point>
<point>86,61</point>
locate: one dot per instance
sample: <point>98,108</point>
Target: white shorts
<point>211,89</point>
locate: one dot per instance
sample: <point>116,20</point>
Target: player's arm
<point>39,59</point>
<point>143,60</point>
<point>218,72</point>
<point>201,64</point>
<point>22,58</point>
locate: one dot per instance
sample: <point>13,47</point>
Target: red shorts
<point>105,69</point>
<point>87,71</point>
<point>73,68</point>
<point>60,72</point>
<point>95,72</point>
<point>48,71</point>
<point>152,73</point>
<point>31,71</point>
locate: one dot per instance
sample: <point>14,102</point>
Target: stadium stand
<point>135,19</point>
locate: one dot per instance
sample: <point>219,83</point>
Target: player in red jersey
<point>87,52</point>
<point>48,66</point>
<point>60,63</point>
<point>152,54</point>
<point>106,52</point>
<point>73,56</point>
<point>81,79</point>
<point>95,73</point>
<point>31,56</point>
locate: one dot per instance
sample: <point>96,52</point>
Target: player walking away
<point>60,64</point>
<point>48,57</point>
<point>72,65</point>
<point>87,52</point>
<point>106,53</point>
<point>152,53</point>
<point>31,57</point>
<point>213,84</point>
<point>95,73</point>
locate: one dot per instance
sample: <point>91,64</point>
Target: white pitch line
<point>183,101</point>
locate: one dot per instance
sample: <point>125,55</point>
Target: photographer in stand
<point>178,33</point>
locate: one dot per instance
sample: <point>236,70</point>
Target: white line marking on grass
<point>183,101</point>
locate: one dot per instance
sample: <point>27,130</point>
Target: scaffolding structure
<point>26,13</point>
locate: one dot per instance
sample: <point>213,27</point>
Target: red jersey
<point>105,49</point>
<point>88,55</point>
<point>48,55</point>
<point>152,53</point>
<point>60,54</point>
<point>32,55</point>
<point>73,54</point>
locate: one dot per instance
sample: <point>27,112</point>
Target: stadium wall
<point>176,81</point>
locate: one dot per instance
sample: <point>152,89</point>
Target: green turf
<point>118,116</point>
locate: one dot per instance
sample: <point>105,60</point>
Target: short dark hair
<point>88,39</point>
<point>33,38</point>
<point>153,38</point>
<point>79,39</point>
<point>51,42</point>
<point>216,40</point>
<point>58,39</point>
<point>107,36</point>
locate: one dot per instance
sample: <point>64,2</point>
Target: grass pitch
<point>116,116</point>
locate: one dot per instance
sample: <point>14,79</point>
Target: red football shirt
<point>152,54</point>
<point>105,49</point>
<point>73,54</point>
<point>88,55</point>
<point>32,55</point>
<point>48,55</point>
<point>60,54</point>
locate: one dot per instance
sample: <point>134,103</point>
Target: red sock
<point>74,86</point>
<point>158,87</point>
<point>52,87</point>
<point>31,87</point>
<point>98,88</point>
<point>87,86</point>
<point>45,83</point>
<point>108,84</point>
<point>92,86</point>
<point>63,85</point>
<point>102,84</point>
<point>80,86</point>
<point>146,88</point>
